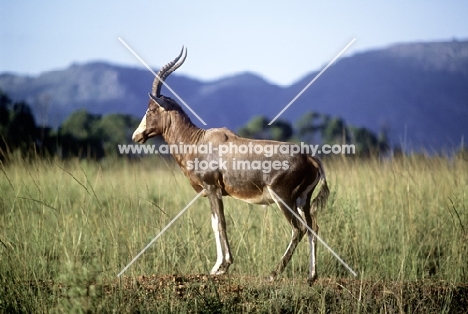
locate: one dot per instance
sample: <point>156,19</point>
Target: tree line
<point>82,134</point>
<point>88,135</point>
<point>317,128</point>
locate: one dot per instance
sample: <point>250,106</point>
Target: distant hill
<point>418,92</point>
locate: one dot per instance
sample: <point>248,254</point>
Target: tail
<point>320,201</point>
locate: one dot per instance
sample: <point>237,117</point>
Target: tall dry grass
<point>78,223</point>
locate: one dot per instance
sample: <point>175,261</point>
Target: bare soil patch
<point>252,294</point>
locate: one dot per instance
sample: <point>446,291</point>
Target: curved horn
<point>165,71</point>
<point>176,66</point>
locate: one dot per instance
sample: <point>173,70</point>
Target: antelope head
<point>157,118</point>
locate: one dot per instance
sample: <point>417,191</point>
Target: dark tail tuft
<point>320,201</point>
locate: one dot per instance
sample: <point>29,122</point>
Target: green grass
<point>68,228</point>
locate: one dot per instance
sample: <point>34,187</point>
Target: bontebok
<point>223,164</point>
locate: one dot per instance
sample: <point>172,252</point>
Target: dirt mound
<point>250,293</point>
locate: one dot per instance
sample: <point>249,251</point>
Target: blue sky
<point>279,40</point>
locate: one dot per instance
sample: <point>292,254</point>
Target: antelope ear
<point>160,102</point>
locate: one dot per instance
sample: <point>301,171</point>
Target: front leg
<point>218,223</point>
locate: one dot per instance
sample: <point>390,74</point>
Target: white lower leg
<point>219,247</point>
<point>312,242</point>
<point>289,245</point>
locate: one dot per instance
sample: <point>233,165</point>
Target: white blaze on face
<point>141,128</point>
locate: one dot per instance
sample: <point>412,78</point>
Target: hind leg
<point>298,231</point>
<point>311,221</point>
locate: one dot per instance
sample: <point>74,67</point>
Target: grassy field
<point>68,228</point>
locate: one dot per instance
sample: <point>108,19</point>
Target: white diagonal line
<point>164,83</point>
<point>160,233</point>
<point>311,82</point>
<point>315,235</point>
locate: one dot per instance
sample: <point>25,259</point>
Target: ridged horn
<point>166,70</point>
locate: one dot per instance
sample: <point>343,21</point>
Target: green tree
<point>88,135</point>
<point>309,127</point>
<point>335,131</point>
<point>22,129</point>
<point>18,130</point>
<point>80,135</point>
<point>366,141</point>
<point>258,128</point>
<point>115,129</point>
<point>82,125</point>
<point>5,103</point>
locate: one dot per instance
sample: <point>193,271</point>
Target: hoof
<point>221,270</point>
<point>271,277</point>
<point>312,279</point>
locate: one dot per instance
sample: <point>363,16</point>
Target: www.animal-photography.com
<point>247,157</point>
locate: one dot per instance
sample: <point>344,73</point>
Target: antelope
<point>289,182</point>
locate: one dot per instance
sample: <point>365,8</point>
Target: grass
<point>67,228</point>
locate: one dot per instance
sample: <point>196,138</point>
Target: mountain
<point>418,92</point>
